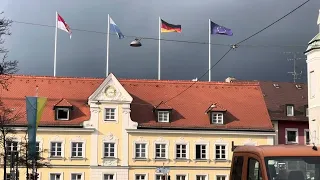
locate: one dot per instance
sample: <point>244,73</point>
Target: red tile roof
<point>63,103</point>
<point>287,93</point>
<point>243,101</point>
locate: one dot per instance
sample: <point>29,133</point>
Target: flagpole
<point>159,55</point>
<point>108,35</point>
<point>55,47</point>
<point>209,50</point>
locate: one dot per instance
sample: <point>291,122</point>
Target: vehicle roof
<point>279,150</point>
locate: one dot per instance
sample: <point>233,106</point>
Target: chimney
<point>230,79</point>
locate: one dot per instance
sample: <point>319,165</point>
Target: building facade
<point>287,105</point>
<point>123,129</point>
<point>313,64</point>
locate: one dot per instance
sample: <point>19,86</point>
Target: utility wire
<point>236,46</point>
<point>273,22</point>
<point>169,40</point>
<point>199,78</point>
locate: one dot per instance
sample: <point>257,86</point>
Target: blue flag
<point>115,28</point>
<point>217,29</point>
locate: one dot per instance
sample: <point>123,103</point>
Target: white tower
<point>313,65</point>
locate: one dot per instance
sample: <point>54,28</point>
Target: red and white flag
<point>61,24</point>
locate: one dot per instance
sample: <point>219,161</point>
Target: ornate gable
<point>110,91</point>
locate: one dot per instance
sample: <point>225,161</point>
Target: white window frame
<point>135,150</point>
<point>62,149</point>
<point>290,106</point>
<point>82,175</point>
<point>166,112</point>
<point>109,173</point>
<point>226,175</point>
<point>166,148</point>
<point>187,151</point>
<point>186,175</point>
<point>115,120</point>
<point>297,134</point>
<point>157,174</point>
<point>207,151</point>
<point>14,141</point>
<point>305,136</point>
<point>226,149</point>
<point>62,119</point>
<point>145,175</point>
<point>115,150</point>
<point>312,89</point>
<point>206,176</point>
<point>61,173</point>
<point>217,122</point>
<point>83,149</point>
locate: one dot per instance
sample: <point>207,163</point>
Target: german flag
<point>166,27</point>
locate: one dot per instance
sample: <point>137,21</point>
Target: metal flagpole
<point>209,50</point>
<point>108,35</point>
<point>55,47</point>
<point>159,55</point>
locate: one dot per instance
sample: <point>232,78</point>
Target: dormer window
<point>290,110</point>
<point>63,110</point>
<point>216,113</point>
<point>163,112</point>
<point>62,113</point>
<point>306,111</point>
<point>217,118</point>
<point>163,116</point>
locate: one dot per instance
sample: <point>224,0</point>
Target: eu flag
<point>217,29</point>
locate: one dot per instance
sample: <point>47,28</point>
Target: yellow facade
<point>124,134</point>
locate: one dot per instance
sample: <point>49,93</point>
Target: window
<point>181,177</point>
<point>140,150</point>
<point>55,176</point>
<point>140,177</point>
<point>159,177</point>
<point>307,111</point>
<point>312,82</point>
<point>8,176</point>
<point>109,150</point>
<point>290,110</point>
<point>201,151</point>
<point>201,177</point>
<point>56,149</point>
<point>77,149</point>
<point>12,147</point>
<point>217,118</point>
<point>291,135</point>
<point>237,167</point>
<point>62,113</point>
<point>110,114</point>
<point>254,171</point>
<point>306,136</point>
<point>181,151</point>
<point>163,116</point>
<point>160,151</point>
<point>221,152</point>
<point>221,177</point>
<point>76,176</point>
<point>108,177</point>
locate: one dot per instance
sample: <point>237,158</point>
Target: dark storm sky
<point>85,54</point>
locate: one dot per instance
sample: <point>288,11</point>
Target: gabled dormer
<point>216,113</point>
<point>63,110</point>
<point>163,113</point>
<point>289,109</point>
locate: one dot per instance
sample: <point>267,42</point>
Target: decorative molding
<point>110,162</point>
<point>161,140</point>
<point>109,138</point>
<point>57,138</point>
<point>77,139</point>
<point>201,141</point>
<point>250,142</point>
<point>181,140</point>
<point>220,140</point>
<point>141,140</point>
